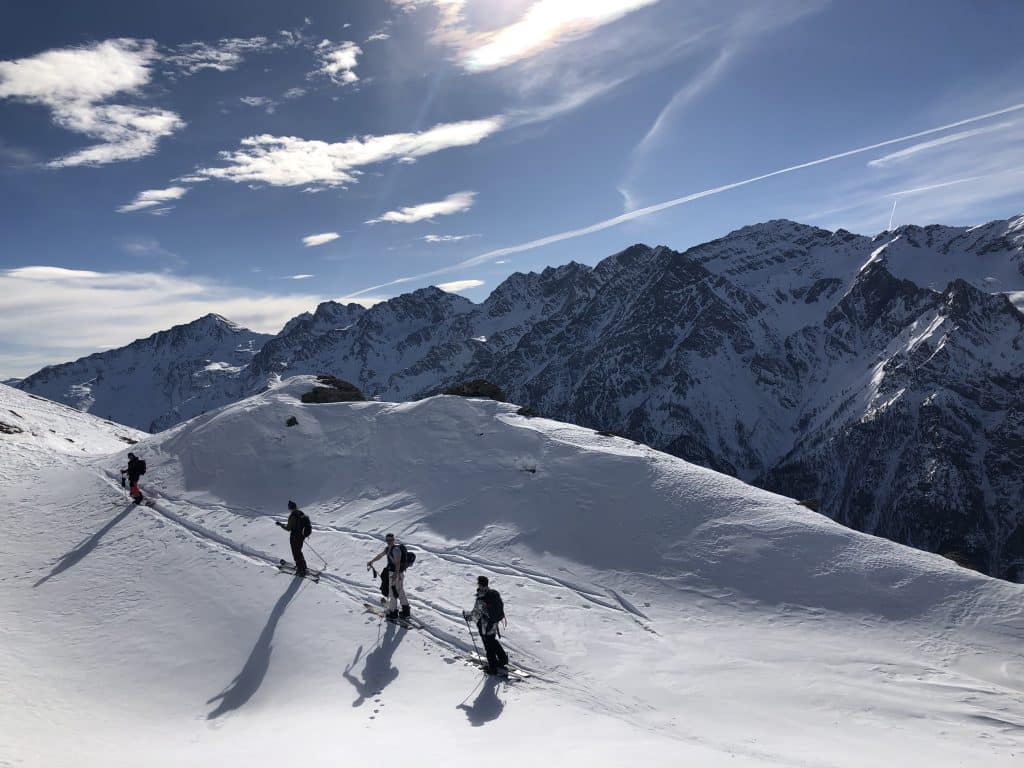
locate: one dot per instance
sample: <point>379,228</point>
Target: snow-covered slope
<point>158,381</point>
<point>672,615</point>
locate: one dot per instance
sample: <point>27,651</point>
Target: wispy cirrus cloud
<point>543,25</point>
<point>903,154</point>
<point>338,61</point>
<point>150,198</point>
<point>75,84</point>
<point>311,241</point>
<point>299,277</point>
<point>291,161</point>
<point>727,35</point>
<point>445,238</point>
<point>222,56</point>
<point>260,101</point>
<point>454,203</point>
<point>1006,157</point>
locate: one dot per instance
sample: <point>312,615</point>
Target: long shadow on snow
<point>248,681</point>
<point>77,554</point>
<point>486,706</point>
<point>378,671</point>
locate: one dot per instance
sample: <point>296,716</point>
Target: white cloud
<point>446,238</point>
<point>150,198</point>
<point>459,285</point>
<point>69,313</point>
<point>260,101</point>
<point>455,203</point>
<point>543,25</point>
<point>294,93</point>
<point>378,36</point>
<point>73,83</point>
<point>313,240</point>
<point>292,161</point>
<point>299,277</point>
<point>903,154</point>
<point>338,61</point>
<point>222,56</point>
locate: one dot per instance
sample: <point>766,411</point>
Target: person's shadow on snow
<point>248,681</point>
<point>77,554</point>
<point>486,706</point>
<point>378,670</point>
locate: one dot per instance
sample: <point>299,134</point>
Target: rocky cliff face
<point>881,377</point>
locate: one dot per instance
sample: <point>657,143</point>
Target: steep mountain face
<point>159,381</point>
<point>881,377</point>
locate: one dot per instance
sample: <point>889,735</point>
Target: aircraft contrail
<point>657,207</point>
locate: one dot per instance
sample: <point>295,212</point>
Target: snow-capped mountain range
<point>881,377</point>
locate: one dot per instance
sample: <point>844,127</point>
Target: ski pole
<point>318,555</point>
<point>475,649</point>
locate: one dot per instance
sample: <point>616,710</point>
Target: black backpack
<point>307,526</point>
<point>495,606</point>
<point>141,466</point>
<point>408,558</point>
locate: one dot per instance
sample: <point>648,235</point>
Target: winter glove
<point>279,524</point>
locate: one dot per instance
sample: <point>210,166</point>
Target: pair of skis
<point>285,567</point>
<point>403,621</point>
<point>510,672</point>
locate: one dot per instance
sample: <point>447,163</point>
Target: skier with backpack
<point>488,610</point>
<point>300,528</point>
<point>136,468</point>
<point>398,560</point>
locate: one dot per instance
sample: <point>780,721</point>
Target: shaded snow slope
<point>671,615</point>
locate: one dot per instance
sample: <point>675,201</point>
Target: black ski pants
<point>297,556</point>
<point>496,656</point>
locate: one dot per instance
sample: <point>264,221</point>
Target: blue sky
<point>163,160</point>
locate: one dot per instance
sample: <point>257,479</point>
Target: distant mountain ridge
<point>158,381</point>
<point>881,377</point>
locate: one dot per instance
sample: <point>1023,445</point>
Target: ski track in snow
<point>356,591</point>
<point>882,655</point>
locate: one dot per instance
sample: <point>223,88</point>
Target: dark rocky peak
<point>964,302</point>
<point>774,231</point>
<point>873,294</point>
<point>630,258</point>
<point>429,305</point>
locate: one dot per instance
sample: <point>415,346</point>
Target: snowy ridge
<point>670,613</point>
<point>880,377</point>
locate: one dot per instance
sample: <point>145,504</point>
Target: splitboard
<point>408,622</point>
<point>513,672</point>
<point>285,567</point>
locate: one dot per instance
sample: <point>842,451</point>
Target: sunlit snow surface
<point>671,615</point>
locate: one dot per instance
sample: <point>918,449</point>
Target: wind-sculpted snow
<point>670,615</point>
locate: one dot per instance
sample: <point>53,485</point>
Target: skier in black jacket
<point>300,527</point>
<point>487,611</point>
<point>136,469</point>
